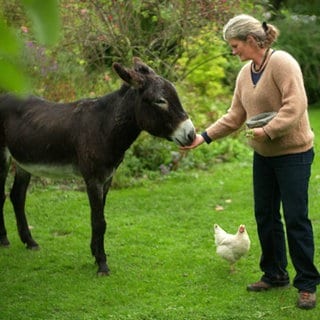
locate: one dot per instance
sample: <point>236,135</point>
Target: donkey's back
<point>35,131</point>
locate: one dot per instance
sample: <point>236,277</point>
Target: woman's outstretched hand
<point>196,142</point>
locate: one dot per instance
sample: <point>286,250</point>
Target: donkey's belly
<point>50,171</point>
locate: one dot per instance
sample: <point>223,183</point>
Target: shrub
<point>153,30</point>
<point>300,37</point>
<point>202,74</point>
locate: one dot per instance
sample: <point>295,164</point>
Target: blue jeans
<point>285,180</point>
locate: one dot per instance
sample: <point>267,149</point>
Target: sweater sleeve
<point>288,78</point>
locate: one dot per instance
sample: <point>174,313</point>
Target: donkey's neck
<point>126,129</point>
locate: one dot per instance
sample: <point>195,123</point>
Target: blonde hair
<point>241,26</point>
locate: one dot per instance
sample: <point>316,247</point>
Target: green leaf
<point>12,77</point>
<point>10,44</point>
<point>45,17</point>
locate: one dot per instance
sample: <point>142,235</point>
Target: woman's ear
<point>252,41</point>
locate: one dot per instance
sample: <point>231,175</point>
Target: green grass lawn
<point>160,249</point>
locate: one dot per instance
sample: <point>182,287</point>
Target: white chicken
<point>231,247</point>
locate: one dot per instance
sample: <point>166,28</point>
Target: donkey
<point>87,137</point>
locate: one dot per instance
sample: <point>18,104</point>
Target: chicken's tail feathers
<point>218,233</point>
<point>216,227</point>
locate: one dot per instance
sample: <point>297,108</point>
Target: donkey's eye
<point>162,103</point>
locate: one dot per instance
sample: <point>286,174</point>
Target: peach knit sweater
<point>279,89</point>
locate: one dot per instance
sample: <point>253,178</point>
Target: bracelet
<point>206,138</point>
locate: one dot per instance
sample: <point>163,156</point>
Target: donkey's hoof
<point>103,271</point>
<point>32,246</point>
<point>4,242</point>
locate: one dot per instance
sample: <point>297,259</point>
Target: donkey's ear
<point>141,67</point>
<point>131,77</point>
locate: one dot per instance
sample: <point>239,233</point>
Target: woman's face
<point>243,49</point>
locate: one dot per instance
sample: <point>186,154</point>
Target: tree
<point>310,7</point>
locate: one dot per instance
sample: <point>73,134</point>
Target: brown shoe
<point>306,300</point>
<point>263,286</point>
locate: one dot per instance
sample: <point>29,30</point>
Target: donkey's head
<point>158,109</point>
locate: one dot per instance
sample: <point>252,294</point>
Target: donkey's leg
<point>4,167</point>
<point>97,195</point>
<point>18,199</point>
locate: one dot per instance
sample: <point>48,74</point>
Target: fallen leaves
<point>219,207</point>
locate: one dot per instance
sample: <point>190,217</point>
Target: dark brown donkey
<point>89,138</point>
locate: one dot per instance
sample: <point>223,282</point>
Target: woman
<point>283,153</point>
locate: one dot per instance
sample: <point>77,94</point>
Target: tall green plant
<point>204,72</point>
<point>299,35</point>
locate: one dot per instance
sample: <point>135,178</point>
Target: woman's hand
<point>257,134</point>
<point>196,142</point>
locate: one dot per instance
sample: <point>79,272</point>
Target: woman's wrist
<point>206,137</point>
